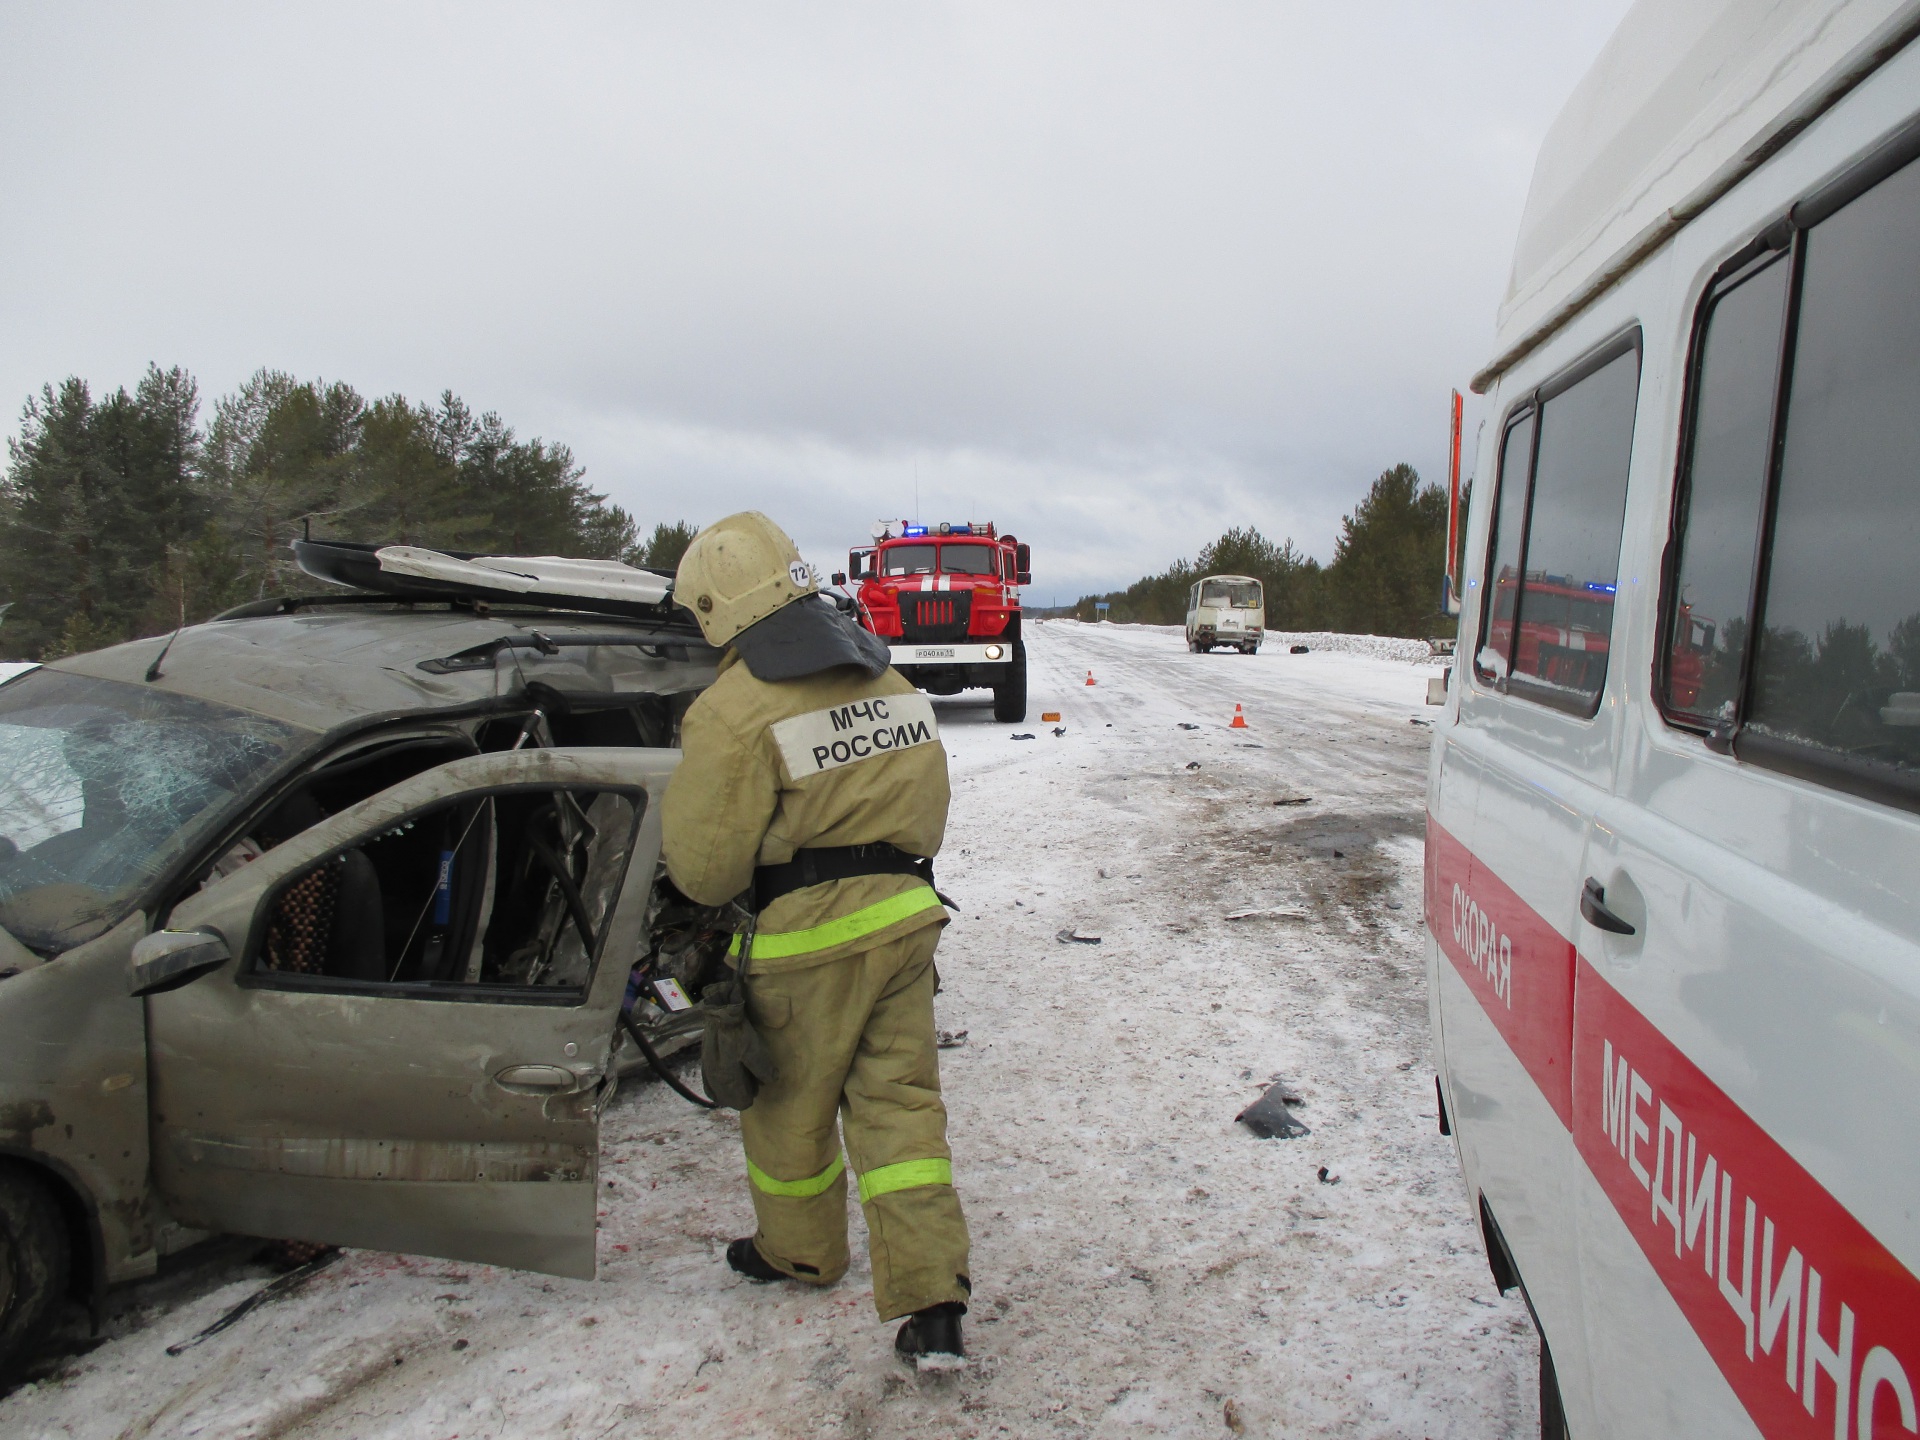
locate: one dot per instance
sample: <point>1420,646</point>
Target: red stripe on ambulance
<point>1814,1323</point>
<point>1518,966</point>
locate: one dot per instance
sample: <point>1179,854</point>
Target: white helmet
<point>737,572</point>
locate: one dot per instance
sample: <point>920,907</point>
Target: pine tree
<point>1390,557</point>
<point>119,517</point>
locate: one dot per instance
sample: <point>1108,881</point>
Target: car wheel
<point>33,1264</point>
<point>1010,695</point>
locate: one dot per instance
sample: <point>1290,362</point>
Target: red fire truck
<point>946,599</point>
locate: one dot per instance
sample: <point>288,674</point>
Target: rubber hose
<point>659,1065</point>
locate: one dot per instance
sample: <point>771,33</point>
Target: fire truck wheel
<point>33,1264</point>
<point>1010,695</point>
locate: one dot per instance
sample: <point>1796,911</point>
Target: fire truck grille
<point>936,617</point>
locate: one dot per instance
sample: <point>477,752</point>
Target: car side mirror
<point>168,959</point>
<point>838,578</point>
<point>1023,564</point>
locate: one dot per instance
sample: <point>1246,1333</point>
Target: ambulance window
<point>1723,491</point>
<point>1503,569</point>
<point>907,560</point>
<point>1836,684</point>
<point>1555,561</point>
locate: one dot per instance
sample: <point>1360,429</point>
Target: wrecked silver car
<point>317,922</point>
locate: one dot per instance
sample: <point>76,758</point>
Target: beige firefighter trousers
<point>853,1039</point>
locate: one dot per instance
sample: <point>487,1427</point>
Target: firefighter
<point>813,778</point>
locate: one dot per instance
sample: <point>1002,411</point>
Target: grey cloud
<point>1121,274</point>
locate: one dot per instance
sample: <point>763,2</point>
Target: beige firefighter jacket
<point>769,768</point>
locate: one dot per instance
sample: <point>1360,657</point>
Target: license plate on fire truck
<point>950,654</point>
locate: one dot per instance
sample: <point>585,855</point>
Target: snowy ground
<point>1143,1265</point>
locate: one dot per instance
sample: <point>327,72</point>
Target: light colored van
<point>1673,844</point>
<point>1226,610</point>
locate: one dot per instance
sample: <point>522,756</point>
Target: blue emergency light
<point>913,530</point>
<point>1596,585</point>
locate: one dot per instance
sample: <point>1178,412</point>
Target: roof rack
<point>409,573</point>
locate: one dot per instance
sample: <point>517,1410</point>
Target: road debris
<point>1268,912</point>
<point>1270,1119</point>
<point>1193,764</point>
<point>1327,1177</point>
<point>1074,937</point>
<point>1188,725</point>
<point>1021,736</point>
<point>1230,1412</point>
<point>1296,649</point>
<point>950,1039</point>
<point>1295,800</point>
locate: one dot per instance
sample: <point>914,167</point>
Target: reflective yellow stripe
<point>813,1185</point>
<point>864,921</point>
<point>904,1176</point>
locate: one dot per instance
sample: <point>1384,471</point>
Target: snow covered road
<point>1143,1265</point>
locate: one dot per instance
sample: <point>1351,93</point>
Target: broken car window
<point>510,890</point>
<point>103,785</point>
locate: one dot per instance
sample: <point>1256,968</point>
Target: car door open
<point>409,1048</point>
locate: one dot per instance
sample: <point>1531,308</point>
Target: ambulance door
<point>1748,1003</point>
<point>1538,716</point>
<point>394,1030</point>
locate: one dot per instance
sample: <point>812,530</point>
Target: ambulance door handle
<point>1593,906</point>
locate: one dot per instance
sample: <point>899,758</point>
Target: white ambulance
<point>1673,842</point>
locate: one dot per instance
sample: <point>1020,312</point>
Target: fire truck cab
<point>946,599</point>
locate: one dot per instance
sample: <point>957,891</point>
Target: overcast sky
<point>1114,275</point>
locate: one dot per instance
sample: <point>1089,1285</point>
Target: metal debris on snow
<point>950,1039</point>
<point>1074,937</point>
<point>1270,1119</point>
<point>1268,912</point>
<point>1021,736</point>
<point>1193,764</point>
<point>1295,800</point>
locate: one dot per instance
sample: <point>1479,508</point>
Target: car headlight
<point>994,652</point>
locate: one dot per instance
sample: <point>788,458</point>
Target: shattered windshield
<point>102,786</point>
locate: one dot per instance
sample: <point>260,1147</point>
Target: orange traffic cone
<point>1239,720</point>
<point>1089,677</point>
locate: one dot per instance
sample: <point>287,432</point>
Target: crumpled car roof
<point>328,666</point>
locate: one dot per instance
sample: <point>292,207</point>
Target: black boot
<point>743,1255</point>
<point>932,1334</point>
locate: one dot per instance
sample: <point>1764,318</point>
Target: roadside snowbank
<point>1374,647</point>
